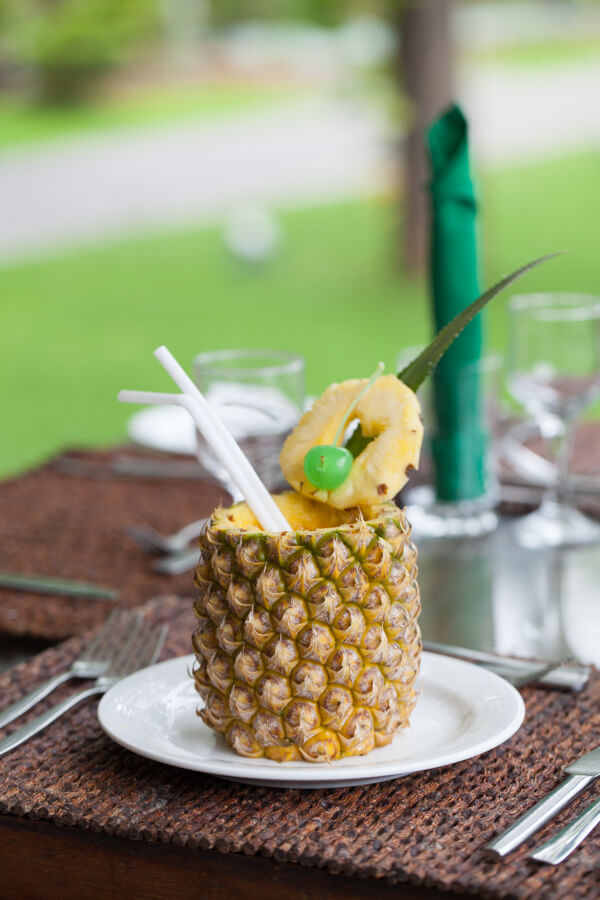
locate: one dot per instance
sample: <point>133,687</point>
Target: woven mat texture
<point>427,828</point>
<point>74,526</point>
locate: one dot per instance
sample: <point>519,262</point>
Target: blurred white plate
<point>463,711</point>
<point>167,428</point>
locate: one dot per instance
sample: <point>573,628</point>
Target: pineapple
<point>389,412</point>
<point>307,644</point>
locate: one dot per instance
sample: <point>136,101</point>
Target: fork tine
<point>122,649</point>
<point>160,633</point>
<point>91,650</point>
<point>144,650</point>
<point>123,625</point>
<point>129,662</point>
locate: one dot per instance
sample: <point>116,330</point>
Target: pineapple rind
<point>307,642</point>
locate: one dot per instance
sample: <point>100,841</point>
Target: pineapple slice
<point>388,412</point>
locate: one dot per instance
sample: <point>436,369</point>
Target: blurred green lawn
<point>21,123</point>
<point>540,53</point>
<point>77,328</point>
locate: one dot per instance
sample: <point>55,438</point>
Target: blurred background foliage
<point>79,321</point>
<point>65,45</point>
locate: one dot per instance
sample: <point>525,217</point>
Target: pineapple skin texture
<point>307,643</point>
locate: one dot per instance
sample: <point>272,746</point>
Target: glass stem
<point>559,439</point>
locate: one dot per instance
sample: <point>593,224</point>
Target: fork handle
<point>191,531</point>
<point>17,709</point>
<point>31,728</point>
<point>545,809</point>
<point>563,844</point>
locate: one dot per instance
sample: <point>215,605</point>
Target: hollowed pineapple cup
<point>307,642</point>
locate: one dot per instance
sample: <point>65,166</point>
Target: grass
<point>79,327</point>
<point>22,124</point>
<point>540,53</point>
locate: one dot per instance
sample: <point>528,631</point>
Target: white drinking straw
<point>219,439</point>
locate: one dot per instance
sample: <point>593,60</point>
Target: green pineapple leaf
<point>415,373</point>
<point>357,441</point>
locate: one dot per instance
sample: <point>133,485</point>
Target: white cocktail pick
<point>217,436</point>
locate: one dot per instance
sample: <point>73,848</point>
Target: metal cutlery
<point>528,676</point>
<point>64,587</point>
<point>132,467</point>
<point>559,674</point>
<point>141,648</point>
<point>178,562</point>
<point>154,542</point>
<point>568,838</point>
<point>581,773</point>
<point>92,662</point>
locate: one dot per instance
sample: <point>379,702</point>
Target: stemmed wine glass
<point>554,372</point>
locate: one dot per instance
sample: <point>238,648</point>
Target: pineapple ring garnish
<point>388,412</point>
<point>328,465</point>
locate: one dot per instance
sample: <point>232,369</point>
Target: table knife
<point>131,466</point>
<point>581,773</point>
<point>566,675</point>
<point>568,838</point>
<point>63,587</point>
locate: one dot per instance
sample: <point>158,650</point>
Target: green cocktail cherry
<point>327,465</point>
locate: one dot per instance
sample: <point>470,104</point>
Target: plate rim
<point>319,775</point>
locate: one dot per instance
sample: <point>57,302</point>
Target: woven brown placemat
<point>74,526</point>
<point>428,828</point>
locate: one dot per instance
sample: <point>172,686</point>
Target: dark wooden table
<point>41,860</point>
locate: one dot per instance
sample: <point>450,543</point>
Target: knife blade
<point>566,675</point>
<point>581,773</point>
<point>64,587</point>
<point>569,838</point>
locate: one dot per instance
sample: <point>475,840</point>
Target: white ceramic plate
<point>463,711</point>
<point>167,428</point>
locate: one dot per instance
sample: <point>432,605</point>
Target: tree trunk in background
<point>425,72</point>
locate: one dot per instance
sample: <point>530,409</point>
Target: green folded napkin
<point>459,444</point>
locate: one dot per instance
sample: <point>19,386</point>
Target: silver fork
<point>91,662</point>
<point>155,542</point>
<point>141,647</point>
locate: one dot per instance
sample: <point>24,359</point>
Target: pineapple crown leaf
<point>415,373</point>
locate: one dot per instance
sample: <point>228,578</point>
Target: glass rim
<point>284,361</point>
<point>556,306</point>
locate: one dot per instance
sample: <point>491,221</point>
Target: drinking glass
<point>259,395</point>
<point>554,372</point>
